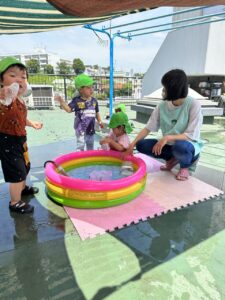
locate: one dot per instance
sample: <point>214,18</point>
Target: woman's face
<point>15,74</point>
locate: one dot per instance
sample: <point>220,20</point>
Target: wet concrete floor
<point>179,255</point>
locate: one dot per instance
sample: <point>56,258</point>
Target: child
<point>118,138</point>
<point>119,107</point>
<point>86,110</point>
<point>13,151</point>
<point>179,117</point>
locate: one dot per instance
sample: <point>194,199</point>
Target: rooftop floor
<point>179,255</point>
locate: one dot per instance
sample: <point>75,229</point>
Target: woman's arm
<point>141,135</point>
<point>191,133</point>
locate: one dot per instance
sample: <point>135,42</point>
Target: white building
<point>198,50</point>
<point>41,56</point>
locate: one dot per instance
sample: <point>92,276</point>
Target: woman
<point>179,117</point>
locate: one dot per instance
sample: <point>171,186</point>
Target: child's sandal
<point>29,190</point>
<point>21,207</point>
<point>183,174</point>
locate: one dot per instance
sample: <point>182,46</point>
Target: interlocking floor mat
<point>163,193</point>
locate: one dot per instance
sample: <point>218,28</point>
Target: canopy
<point>94,8</point>
<point>24,16</point>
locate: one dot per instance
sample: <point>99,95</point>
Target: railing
<point>124,87</point>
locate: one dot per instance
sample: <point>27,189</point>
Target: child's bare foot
<point>183,174</point>
<point>170,164</point>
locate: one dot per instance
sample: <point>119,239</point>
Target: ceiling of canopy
<point>94,8</point>
<point>26,16</point>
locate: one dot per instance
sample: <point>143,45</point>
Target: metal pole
<point>64,83</point>
<point>111,71</point>
<point>111,83</point>
<point>158,17</point>
<point>179,27</point>
<point>173,23</point>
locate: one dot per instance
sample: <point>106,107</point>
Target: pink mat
<point>162,194</point>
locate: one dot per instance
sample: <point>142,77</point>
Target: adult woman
<point>179,118</point>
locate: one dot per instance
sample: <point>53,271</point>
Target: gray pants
<point>83,140</point>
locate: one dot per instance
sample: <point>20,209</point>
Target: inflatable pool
<point>82,193</point>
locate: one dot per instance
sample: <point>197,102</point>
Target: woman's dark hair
<point>176,84</point>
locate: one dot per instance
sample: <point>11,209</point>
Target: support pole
<point>111,83</point>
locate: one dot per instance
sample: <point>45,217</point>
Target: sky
<point>78,42</point>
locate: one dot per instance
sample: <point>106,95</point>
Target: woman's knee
<point>183,147</point>
<point>145,145</point>
<point>140,145</point>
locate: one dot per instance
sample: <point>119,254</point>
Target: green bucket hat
<point>9,61</point>
<point>119,119</point>
<point>83,80</point>
<point>120,107</point>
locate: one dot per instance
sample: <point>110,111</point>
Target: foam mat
<point>163,193</point>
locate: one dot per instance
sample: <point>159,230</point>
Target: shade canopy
<point>25,16</point>
<point>94,8</point>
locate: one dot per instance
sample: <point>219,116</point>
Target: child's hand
<point>101,125</point>
<point>3,92</point>
<point>108,140</point>
<point>36,125</point>
<point>8,94</point>
<point>58,97</point>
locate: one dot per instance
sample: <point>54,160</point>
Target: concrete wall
<point>184,49</point>
<point>215,58</point>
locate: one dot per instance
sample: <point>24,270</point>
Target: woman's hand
<point>128,151</point>
<point>157,149</point>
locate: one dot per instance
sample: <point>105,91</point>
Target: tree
<point>48,69</point>
<point>63,68</point>
<point>78,66</point>
<point>33,66</point>
<point>140,75</point>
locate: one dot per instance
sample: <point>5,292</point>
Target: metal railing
<point>124,86</point>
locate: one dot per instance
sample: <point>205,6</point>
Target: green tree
<point>63,68</point>
<point>33,66</point>
<point>140,75</point>
<point>48,69</point>
<point>78,66</point>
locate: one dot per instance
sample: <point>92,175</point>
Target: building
<point>41,56</point>
<point>198,50</point>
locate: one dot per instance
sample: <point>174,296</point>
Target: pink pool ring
<point>83,193</point>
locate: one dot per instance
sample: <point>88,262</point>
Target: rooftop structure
<point>197,50</point>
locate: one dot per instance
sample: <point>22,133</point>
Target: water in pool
<point>97,172</point>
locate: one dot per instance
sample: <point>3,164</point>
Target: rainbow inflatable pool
<point>82,193</point>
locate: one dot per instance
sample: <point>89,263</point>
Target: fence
<point>124,87</point>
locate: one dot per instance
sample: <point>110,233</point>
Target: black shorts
<point>14,157</point>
